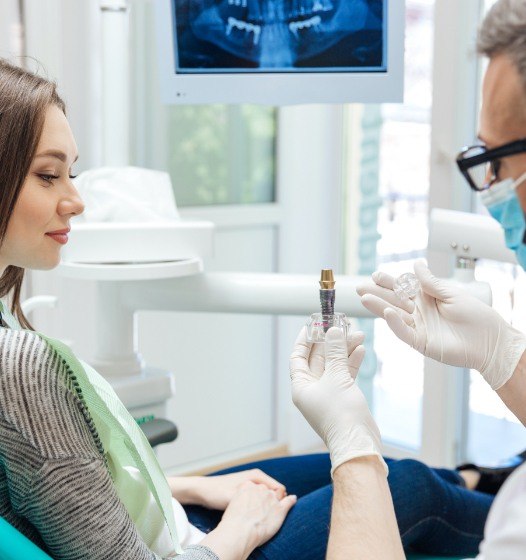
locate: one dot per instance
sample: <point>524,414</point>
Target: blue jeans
<point>436,514</point>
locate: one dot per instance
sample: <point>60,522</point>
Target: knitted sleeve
<point>54,485</point>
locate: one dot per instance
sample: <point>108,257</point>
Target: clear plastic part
<point>319,324</point>
<point>406,286</point>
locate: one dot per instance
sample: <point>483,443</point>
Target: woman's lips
<point>61,238</point>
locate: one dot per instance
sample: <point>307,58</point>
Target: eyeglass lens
<point>485,174</point>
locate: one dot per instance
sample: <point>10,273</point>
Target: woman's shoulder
<point>38,399</point>
<point>17,335</point>
<point>28,366</point>
<point>23,352</point>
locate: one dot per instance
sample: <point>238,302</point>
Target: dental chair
<point>15,546</point>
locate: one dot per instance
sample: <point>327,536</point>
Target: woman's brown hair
<point>24,99</point>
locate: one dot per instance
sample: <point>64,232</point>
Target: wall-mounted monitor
<point>280,52</point>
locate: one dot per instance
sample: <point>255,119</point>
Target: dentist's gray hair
<point>503,31</point>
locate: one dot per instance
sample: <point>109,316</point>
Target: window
<point>222,154</point>
<point>402,222</point>
<point>400,157</point>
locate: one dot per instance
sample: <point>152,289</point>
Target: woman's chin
<point>46,265</point>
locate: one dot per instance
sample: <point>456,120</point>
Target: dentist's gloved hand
<point>448,324</point>
<point>325,392</point>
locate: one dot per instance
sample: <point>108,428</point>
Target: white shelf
<point>131,271</point>
<point>138,242</point>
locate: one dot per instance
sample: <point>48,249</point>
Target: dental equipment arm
<point>242,292</point>
<point>324,390</point>
<point>446,323</point>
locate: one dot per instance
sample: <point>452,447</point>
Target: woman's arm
<point>74,506</point>
<point>253,516</point>
<point>186,489</point>
<point>216,492</point>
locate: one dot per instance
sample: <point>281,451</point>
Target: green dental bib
<point>115,431</point>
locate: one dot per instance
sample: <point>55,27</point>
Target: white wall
<point>11,40</point>
<point>63,37</point>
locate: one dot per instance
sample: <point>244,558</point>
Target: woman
<point>64,484</point>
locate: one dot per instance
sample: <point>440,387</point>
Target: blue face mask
<point>502,203</point>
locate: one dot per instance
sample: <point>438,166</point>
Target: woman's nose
<point>78,205</point>
<point>71,203</point>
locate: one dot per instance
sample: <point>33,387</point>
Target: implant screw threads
<point>327,301</point>
<point>327,295</point>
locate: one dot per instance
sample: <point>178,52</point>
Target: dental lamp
<point>467,236</point>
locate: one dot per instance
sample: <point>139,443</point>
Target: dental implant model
<point>406,286</point>
<point>327,292</point>
<point>320,323</point>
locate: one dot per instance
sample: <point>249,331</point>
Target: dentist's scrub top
<point>505,531</point>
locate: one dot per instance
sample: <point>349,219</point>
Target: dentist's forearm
<point>513,392</point>
<point>363,520</point>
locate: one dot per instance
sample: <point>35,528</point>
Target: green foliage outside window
<point>222,154</point>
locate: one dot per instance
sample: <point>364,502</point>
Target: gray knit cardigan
<point>54,486</point>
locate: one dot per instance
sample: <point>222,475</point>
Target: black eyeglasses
<point>480,166</point>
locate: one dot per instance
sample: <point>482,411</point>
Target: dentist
<point>443,322</point>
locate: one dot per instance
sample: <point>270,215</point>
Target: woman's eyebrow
<point>57,154</point>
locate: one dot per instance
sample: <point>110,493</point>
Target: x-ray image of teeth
<point>280,35</point>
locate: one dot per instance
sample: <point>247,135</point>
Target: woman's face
<point>39,223</point>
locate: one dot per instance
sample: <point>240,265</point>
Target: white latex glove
<point>325,392</point>
<point>446,323</point>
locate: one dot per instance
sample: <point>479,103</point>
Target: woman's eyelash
<point>47,178</point>
<point>50,178</point>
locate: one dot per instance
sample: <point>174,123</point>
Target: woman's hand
<point>253,516</point>
<point>259,510</point>
<point>216,492</point>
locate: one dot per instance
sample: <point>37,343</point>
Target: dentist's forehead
<point>503,112</point>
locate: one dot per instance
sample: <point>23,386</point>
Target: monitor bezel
<point>281,88</point>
